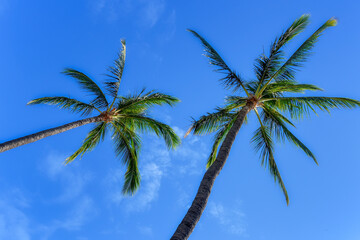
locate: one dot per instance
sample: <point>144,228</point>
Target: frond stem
<point>258,116</point>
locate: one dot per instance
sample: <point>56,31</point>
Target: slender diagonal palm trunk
<point>193,215</point>
<point>46,133</point>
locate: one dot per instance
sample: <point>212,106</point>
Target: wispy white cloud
<point>112,9</point>
<point>150,185</point>
<point>18,198</point>
<point>99,5</point>
<point>169,26</point>
<point>191,155</point>
<point>156,164</point>
<point>71,178</point>
<point>145,230</point>
<point>180,132</point>
<point>14,224</point>
<point>231,219</point>
<point>152,11</point>
<point>148,12</point>
<point>184,198</point>
<point>151,176</point>
<point>72,181</point>
<point>82,211</point>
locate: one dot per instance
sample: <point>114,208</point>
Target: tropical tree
<point>268,97</point>
<point>126,117</point>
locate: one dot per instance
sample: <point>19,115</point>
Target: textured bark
<point>193,215</point>
<point>46,133</point>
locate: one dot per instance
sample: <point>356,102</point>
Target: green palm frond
<point>265,66</point>
<point>251,86</point>
<point>211,122</point>
<point>127,147</point>
<point>231,79</point>
<point>276,122</point>
<point>300,106</point>
<point>219,138</point>
<point>138,103</point>
<point>89,85</point>
<point>296,27</point>
<point>91,141</point>
<point>131,120</point>
<point>287,70</point>
<point>269,113</point>
<point>126,116</point>
<point>290,87</point>
<point>145,124</point>
<point>277,177</point>
<point>233,102</point>
<point>123,138</point>
<point>275,78</point>
<point>115,73</point>
<point>132,178</point>
<point>66,103</point>
<point>264,145</point>
<point>302,53</point>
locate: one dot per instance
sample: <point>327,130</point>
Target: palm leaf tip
<point>231,78</point>
<point>276,122</point>
<point>116,72</point>
<point>300,56</point>
<point>263,143</point>
<point>188,132</point>
<point>190,30</point>
<point>130,188</point>
<point>174,140</point>
<point>287,199</point>
<point>69,159</point>
<point>88,85</point>
<point>173,100</point>
<point>65,103</point>
<point>132,181</point>
<point>283,188</point>
<point>123,42</point>
<point>93,138</point>
<point>332,22</point>
<point>127,147</point>
<point>296,27</point>
<point>35,101</point>
<point>298,106</point>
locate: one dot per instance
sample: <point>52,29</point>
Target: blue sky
<point>40,198</point>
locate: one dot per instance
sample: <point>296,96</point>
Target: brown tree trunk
<point>46,133</point>
<point>193,215</point>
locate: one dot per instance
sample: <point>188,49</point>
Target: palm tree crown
<point>124,116</point>
<point>267,97</point>
<point>275,77</point>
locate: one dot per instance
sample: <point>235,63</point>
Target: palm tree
<point>266,96</point>
<point>125,116</point>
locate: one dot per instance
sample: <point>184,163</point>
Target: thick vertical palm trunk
<point>46,133</point>
<point>193,215</point>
